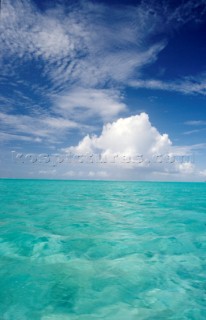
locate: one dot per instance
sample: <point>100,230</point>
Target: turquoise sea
<point>83,250</point>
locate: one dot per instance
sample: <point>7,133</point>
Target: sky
<point>103,90</point>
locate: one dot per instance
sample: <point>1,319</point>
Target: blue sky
<point>108,78</point>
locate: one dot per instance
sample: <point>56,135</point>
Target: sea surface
<point>84,250</point>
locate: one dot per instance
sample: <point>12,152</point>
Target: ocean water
<point>83,250</point>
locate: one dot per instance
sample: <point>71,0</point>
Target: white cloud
<point>80,45</point>
<point>196,123</point>
<point>203,173</point>
<point>47,172</point>
<point>70,173</point>
<point>121,141</point>
<point>98,174</point>
<point>127,136</point>
<point>31,34</point>
<point>194,131</point>
<point>83,103</point>
<point>59,123</point>
<point>186,85</point>
<point>35,128</point>
<point>70,111</point>
<point>17,137</point>
<point>186,168</point>
<point>92,44</point>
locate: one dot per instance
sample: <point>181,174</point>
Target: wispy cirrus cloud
<point>189,85</point>
<point>90,43</point>
<point>70,110</point>
<point>5,137</point>
<point>195,131</point>
<point>86,43</point>
<point>36,129</point>
<point>196,123</point>
<point>199,125</point>
<point>84,103</point>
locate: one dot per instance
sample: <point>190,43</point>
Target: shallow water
<point>83,250</point>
